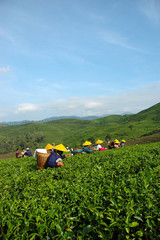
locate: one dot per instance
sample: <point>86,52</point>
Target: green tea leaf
<point>87,229</point>
<point>134,224</point>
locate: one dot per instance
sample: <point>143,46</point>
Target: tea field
<point>113,194</point>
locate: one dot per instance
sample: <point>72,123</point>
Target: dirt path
<point>7,156</point>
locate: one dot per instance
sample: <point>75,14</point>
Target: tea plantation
<point>113,194</point>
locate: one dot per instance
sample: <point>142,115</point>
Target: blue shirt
<point>54,158</point>
<point>28,153</point>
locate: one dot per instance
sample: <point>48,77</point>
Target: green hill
<point>152,113</point>
<point>134,128</point>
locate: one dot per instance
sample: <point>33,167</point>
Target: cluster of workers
<point>56,152</point>
<point>24,153</point>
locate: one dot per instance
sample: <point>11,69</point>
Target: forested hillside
<point>135,128</point>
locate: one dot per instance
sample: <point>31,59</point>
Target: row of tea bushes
<point>104,195</point>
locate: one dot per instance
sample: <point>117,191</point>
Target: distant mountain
<point>51,119</point>
<point>69,117</point>
<point>126,113</point>
<point>17,123</point>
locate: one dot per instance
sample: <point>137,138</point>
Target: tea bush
<point>113,194</point>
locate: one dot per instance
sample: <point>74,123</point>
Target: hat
<point>27,148</point>
<point>99,141</point>
<point>123,140</point>
<point>49,146</point>
<point>86,143</point>
<point>60,147</point>
<point>116,141</point>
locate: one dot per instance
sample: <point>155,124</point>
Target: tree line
<point>10,144</point>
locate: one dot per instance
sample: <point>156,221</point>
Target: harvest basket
<point>42,160</point>
<point>49,151</point>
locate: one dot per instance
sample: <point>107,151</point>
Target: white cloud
<point>115,39</point>
<point>5,69</point>
<point>26,107</point>
<point>151,9</point>
<point>6,35</point>
<point>96,17</point>
<point>3,115</point>
<point>75,58</point>
<point>133,102</point>
<point>93,104</point>
<point>40,80</point>
<point>58,86</point>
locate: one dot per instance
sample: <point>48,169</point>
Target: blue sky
<point>78,57</point>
